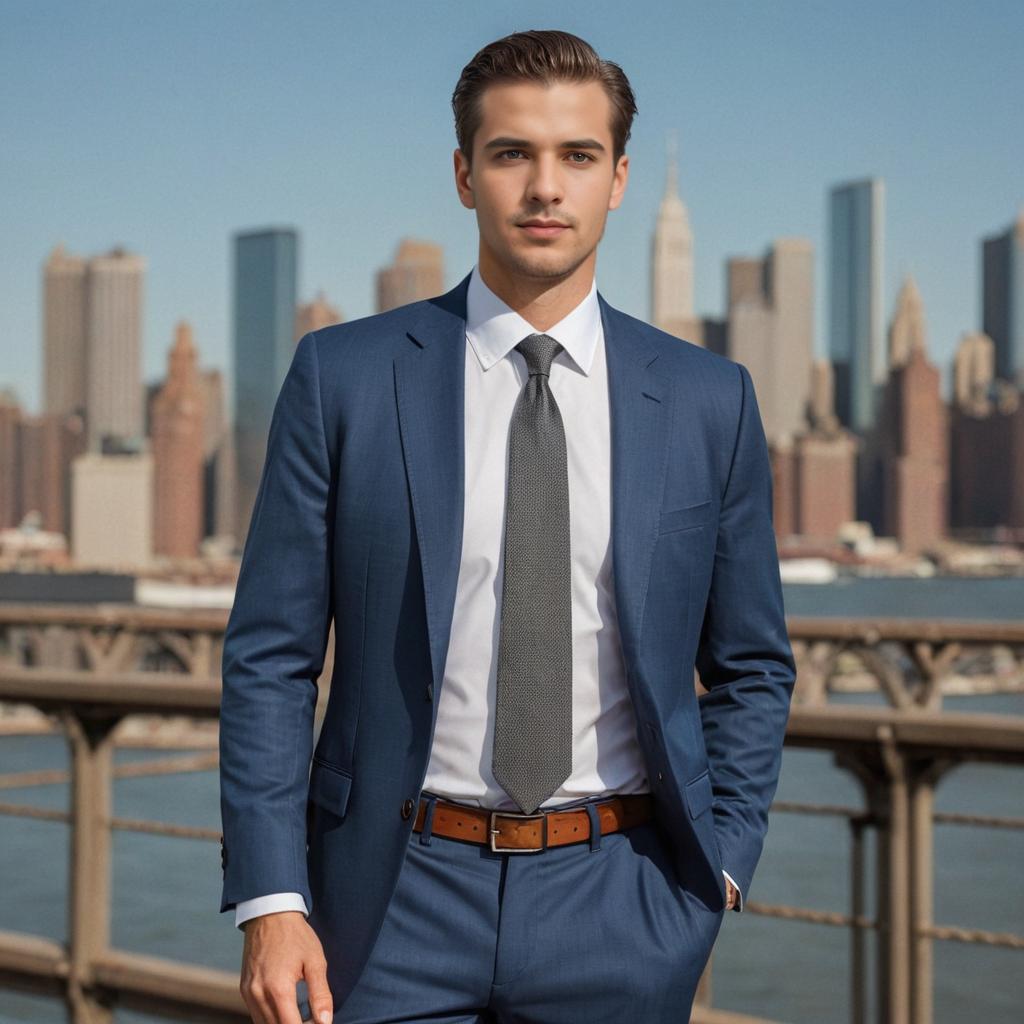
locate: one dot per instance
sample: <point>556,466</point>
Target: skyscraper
<point>104,482</point>
<point>987,415</point>
<point>856,336</point>
<point>771,330</point>
<point>10,429</point>
<point>265,290</point>
<point>114,345</point>
<point>64,345</point>
<point>913,435</point>
<point>1003,299</point>
<point>35,458</point>
<point>907,328</point>
<point>92,342</point>
<point>417,273</point>
<point>177,422</point>
<point>311,316</point>
<point>974,372</point>
<point>750,328</point>
<point>672,260</point>
<point>219,466</point>
<point>789,277</point>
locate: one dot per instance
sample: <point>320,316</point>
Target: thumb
<point>321,1005</point>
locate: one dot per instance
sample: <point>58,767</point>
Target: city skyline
<point>183,216</point>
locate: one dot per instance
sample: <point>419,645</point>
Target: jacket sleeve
<point>744,655</point>
<point>274,647</point>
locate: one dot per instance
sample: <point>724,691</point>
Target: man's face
<point>542,154</point>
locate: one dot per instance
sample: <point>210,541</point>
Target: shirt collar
<point>494,328</point>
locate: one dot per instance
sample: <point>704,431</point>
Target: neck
<point>541,301</point>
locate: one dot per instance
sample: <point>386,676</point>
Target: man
<point>529,516</point>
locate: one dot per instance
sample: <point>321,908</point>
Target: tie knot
<point>539,351</point>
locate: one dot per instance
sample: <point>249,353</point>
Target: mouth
<point>544,228</point>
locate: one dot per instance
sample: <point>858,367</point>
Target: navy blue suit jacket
<point>358,518</point>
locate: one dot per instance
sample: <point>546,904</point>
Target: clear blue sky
<point>165,127</point>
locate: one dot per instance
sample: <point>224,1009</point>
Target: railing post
<point>863,764</point>
<point>922,806</point>
<point>858,953</point>
<point>893,887</point>
<point>922,893</point>
<point>89,892</point>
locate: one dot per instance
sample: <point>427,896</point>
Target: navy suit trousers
<point>602,930</point>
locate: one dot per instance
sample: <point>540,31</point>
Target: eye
<point>578,152</point>
<point>506,151</point>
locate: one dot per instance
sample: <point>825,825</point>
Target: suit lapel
<point>640,420</point>
<point>430,396</point>
<point>430,375</point>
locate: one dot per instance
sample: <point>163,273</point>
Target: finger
<point>250,988</point>
<point>256,1006</point>
<point>321,1003</point>
<point>251,999</point>
<point>284,1004</point>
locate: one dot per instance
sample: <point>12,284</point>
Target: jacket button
<point>660,777</point>
<point>430,691</point>
<point>407,809</point>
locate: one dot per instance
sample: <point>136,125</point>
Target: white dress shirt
<point>606,755</point>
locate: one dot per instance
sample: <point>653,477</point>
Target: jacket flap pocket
<point>683,518</point>
<point>699,795</point>
<point>329,787</point>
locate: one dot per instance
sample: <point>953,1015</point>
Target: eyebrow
<point>504,141</point>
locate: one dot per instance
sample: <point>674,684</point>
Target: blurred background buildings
<point>870,458</point>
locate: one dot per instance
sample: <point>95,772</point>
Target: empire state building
<point>672,263</point>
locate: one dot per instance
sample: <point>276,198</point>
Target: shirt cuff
<point>274,903</point>
<point>739,895</point>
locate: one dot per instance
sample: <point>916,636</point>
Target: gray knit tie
<point>533,720</point>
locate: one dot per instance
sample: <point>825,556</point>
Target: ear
<point>463,180</point>
<point>619,182</point>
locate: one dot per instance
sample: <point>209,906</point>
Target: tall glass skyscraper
<point>265,294</point>
<point>1003,299</point>
<point>856,340</point>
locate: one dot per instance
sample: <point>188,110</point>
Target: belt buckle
<point>521,817</point>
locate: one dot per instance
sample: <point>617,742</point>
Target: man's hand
<point>731,895</point>
<point>280,949</point>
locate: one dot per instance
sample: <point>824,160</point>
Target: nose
<point>545,182</point>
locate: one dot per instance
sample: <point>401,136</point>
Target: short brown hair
<point>544,56</point>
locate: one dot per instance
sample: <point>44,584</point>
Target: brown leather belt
<point>508,832</point>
